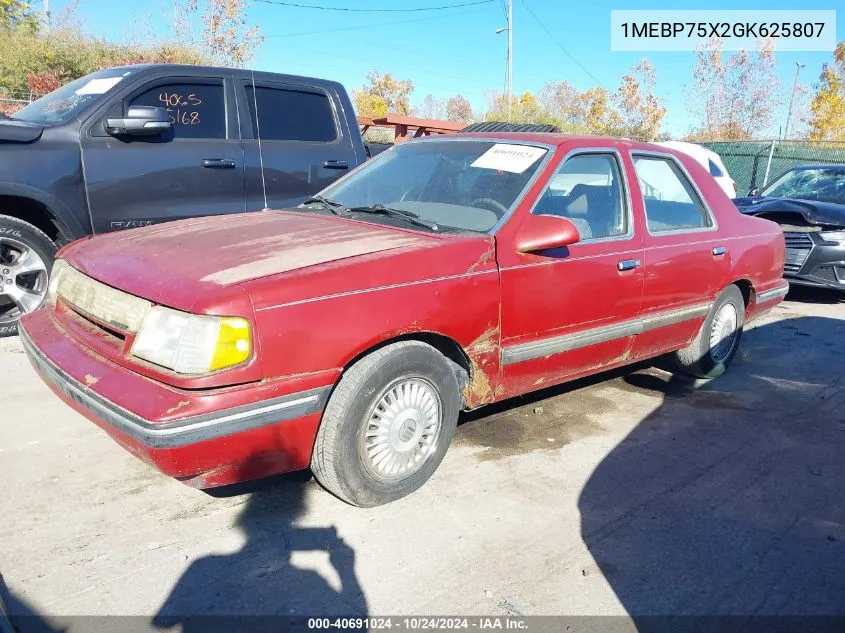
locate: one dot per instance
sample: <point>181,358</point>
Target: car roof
<point>558,140</point>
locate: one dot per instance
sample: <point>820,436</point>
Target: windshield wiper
<point>407,216</point>
<point>332,205</point>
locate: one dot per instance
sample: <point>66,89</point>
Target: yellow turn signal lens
<point>234,344</point>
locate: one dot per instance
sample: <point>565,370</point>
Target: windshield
<point>467,185</point>
<point>65,103</point>
<point>820,185</point>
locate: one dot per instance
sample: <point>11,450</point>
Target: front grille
<point>798,247</point>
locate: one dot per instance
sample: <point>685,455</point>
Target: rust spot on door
<point>91,380</point>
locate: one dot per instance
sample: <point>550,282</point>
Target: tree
<point>566,104</point>
<point>432,108</point>
<point>827,108</point>
<point>382,94</point>
<point>459,109</point>
<point>17,14</point>
<point>227,38</point>
<point>601,117</point>
<point>733,98</point>
<point>638,111</point>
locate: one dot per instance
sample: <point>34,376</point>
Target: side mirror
<point>543,232</point>
<point>140,121</point>
<point>754,192</point>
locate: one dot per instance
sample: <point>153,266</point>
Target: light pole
<point>798,67</point>
<point>509,70</point>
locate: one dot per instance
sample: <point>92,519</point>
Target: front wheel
<point>387,424</point>
<point>26,259</point>
<point>709,355</point>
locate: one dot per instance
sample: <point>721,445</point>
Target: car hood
<point>813,212</point>
<point>19,131</point>
<point>182,263</point>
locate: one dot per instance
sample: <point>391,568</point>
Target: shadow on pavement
<point>282,570</point>
<point>729,499</point>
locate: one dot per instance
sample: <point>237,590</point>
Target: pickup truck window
<point>196,110</point>
<point>291,115</point>
<point>65,103</point>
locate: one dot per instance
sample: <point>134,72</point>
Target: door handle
<point>628,264</point>
<point>719,250</point>
<point>335,164</point>
<point>218,163</point>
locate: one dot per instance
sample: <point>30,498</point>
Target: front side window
<point>468,185</point>
<point>291,115</point>
<point>196,110</point>
<point>670,201</point>
<point>587,190</point>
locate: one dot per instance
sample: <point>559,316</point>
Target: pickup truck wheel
<point>709,355</point>
<point>26,259</point>
<point>387,424</point>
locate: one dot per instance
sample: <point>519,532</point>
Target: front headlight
<point>192,343</point>
<point>833,236</point>
<point>59,268</point>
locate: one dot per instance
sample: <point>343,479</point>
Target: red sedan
<point>445,274</point>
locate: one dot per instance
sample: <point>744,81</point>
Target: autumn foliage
<point>827,122</point>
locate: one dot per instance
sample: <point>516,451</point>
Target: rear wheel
<point>712,351</point>
<point>26,259</point>
<point>387,424</point>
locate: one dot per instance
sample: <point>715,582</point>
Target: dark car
<point>809,204</point>
<point>137,145</point>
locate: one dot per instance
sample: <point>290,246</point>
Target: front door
<point>197,169</point>
<point>568,311</point>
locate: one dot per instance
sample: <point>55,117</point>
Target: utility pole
<point>510,56</point>
<point>47,13</point>
<point>509,66</point>
<point>798,67</point>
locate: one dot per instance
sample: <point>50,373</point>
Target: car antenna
<point>258,133</point>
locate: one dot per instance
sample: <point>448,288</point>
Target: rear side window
<point>715,171</point>
<point>671,203</point>
<point>196,110</point>
<point>291,115</point>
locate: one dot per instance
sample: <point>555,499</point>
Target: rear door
<point>197,169</point>
<point>296,134</point>
<point>686,258</point>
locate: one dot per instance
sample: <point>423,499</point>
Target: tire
<point>346,458</point>
<point>702,358</point>
<point>18,240</point>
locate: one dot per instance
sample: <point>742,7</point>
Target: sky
<point>457,51</point>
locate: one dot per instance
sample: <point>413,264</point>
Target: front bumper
<point>812,261</point>
<point>206,447</point>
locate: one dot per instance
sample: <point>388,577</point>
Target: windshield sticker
<point>98,86</point>
<point>513,158</point>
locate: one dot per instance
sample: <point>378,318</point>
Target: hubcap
<point>23,279</point>
<point>723,333</point>
<point>402,428</point>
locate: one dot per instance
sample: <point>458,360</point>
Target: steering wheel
<point>491,205</point>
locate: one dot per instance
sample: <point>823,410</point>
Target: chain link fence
<point>754,163</point>
<point>11,102</point>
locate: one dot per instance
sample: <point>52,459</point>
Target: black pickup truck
<point>132,146</point>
